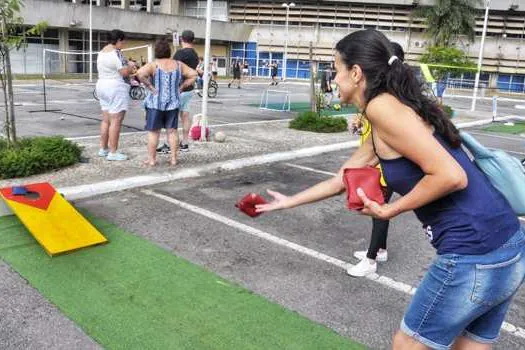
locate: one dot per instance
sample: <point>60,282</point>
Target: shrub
<point>310,121</point>
<point>30,156</point>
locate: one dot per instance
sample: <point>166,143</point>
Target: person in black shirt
<point>274,68</point>
<point>236,69</point>
<point>188,56</point>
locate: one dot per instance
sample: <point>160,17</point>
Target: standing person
<point>274,67</point>
<point>326,87</point>
<point>214,68</point>
<point>236,69</point>
<point>200,72</point>
<point>246,70</point>
<point>189,57</point>
<point>113,94</point>
<point>164,98</point>
<point>377,248</point>
<point>464,297</point>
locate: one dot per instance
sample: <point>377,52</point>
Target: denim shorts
<point>157,119</point>
<point>466,295</point>
<point>185,99</point>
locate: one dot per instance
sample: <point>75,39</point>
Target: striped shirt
<point>167,85</point>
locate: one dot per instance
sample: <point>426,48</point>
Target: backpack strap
<point>476,148</point>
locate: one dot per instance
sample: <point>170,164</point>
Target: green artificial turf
<point>132,294</point>
<point>516,129</point>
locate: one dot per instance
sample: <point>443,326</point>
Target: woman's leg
<point>153,141</point>
<point>405,342</point>
<point>173,139</point>
<point>104,131</point>
<point>464,343</point>
<point>379,232</point>
<point>114,130</point>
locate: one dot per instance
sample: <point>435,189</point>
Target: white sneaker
<point>103,152</point>
<point>382,255</point>
<point>116,156</point>
<point>364,268</point>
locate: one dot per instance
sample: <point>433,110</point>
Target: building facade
<point>259,32</point>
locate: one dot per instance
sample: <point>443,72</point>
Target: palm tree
<point>448,19</point>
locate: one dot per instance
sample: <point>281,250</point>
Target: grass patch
<point>132,294</point>
<point>516,129</point>
<point>52,76</point>
<point>36,155</point>
<point>310,121</point>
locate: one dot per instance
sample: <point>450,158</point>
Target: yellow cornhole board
<point>55,224</point>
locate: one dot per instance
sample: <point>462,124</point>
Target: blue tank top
<point>167,86</point>
<point>472,221</point>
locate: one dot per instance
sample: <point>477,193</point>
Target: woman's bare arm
<point>403,131</point>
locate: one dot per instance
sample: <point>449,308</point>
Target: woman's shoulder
<point>108,49</point>
<point>383,103</point>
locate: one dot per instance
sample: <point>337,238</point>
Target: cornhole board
<point>51,219</point>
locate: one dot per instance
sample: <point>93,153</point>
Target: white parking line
<point>386,281</point>
<point>211,126</point>
<point>310,169</point>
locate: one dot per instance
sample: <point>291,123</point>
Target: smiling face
<point>350,82</point>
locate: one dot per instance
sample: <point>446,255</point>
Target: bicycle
<point>137,92</point>
<point>213,87</point>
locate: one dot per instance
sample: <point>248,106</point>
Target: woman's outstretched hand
<point>279,202</point>
<point>374,209</point>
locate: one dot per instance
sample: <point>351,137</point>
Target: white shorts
<point>113,95</point>
<point>245,70</point>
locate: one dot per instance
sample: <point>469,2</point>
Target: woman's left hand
<point>374,209</point>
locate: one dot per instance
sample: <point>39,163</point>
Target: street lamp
<point>90,41</point>
<point>286,39</point>
<point>480,58</point>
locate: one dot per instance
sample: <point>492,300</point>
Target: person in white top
<point>113,94</point>
<point>214,67</point>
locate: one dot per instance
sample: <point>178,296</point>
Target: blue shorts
<point>440,88</point>
<point>185,99</point>
<point>466,295</point>
<point>157,119</point>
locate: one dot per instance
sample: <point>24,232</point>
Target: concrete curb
<point>99,188</point>
<point>90,190</point>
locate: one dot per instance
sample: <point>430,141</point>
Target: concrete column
<point>170,7</point>
<point>493,81</point>
<point>63,45</point>
<point>149,5</point>
<point>124,4</point>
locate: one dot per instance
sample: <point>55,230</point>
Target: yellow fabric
<point>366,130</point>
<point>426,73</point>
<point>58,229</point>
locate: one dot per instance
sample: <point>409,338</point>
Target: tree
<point>11,37</point>
<point>448,19</point>
<point>447,60</point>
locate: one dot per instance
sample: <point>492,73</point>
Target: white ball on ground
<point>219,136</point>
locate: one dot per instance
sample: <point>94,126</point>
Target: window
<point>219,10</point>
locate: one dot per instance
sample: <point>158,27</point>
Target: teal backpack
<point>505,172</point>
